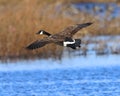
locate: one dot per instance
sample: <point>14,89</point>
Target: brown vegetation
<point>20,20</point>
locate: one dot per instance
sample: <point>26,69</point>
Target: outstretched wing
<point>71,30</point>
<point>38,44</point>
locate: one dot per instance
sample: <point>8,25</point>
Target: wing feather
<point>71,30</point>
<point>38,44</point>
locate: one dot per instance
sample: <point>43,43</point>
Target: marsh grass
<point>20,23</point>
<point>20,20</point>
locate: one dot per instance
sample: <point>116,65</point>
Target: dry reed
<point>20,20</point>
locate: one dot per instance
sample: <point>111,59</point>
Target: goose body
<point>63,38</point>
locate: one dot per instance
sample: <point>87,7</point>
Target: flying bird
<point>63,38</point>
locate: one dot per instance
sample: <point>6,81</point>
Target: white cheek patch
<point>41,32</point>
<point>68,42</point>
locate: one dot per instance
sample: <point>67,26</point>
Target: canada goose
<point>63,38</point>
<point>73,46</point>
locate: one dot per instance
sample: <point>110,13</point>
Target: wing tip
<point>89,23</point>
<point>85,24</point>
<point>29,48</point>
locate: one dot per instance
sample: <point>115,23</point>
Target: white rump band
<point>68,42</point>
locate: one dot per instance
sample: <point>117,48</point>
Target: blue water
<point>69,82</point>
<point>79,76</point>
<point>103,9</point>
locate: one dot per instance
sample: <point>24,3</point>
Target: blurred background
<point>92,70</point>
<point>20,20</point>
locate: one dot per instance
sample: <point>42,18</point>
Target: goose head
<point>41,32</point>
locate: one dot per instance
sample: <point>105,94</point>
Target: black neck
<point>46,33</point>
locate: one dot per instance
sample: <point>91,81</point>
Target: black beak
<point>37,33</point>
